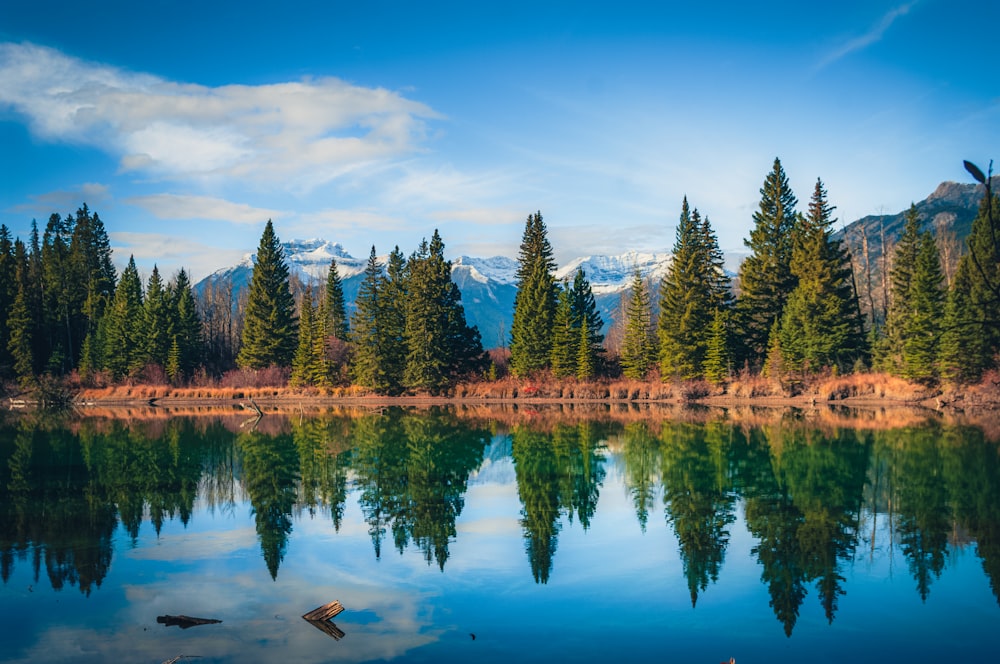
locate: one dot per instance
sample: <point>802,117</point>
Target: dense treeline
<point>793,311</point>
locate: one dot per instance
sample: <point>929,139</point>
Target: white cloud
<point>872,36</point>
<point>183,206</point>
<point>297,135</point>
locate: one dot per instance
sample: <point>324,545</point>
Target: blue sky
<point>187,125</point>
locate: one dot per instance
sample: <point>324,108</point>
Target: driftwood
<point>328,628</point>
<point>185,621</point>
<point>320,618</point>
<point>325,612</point>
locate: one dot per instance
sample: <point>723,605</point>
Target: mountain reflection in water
<point>813,497</point>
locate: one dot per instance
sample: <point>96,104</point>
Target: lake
<point>491,535</point>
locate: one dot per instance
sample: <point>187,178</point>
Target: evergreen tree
<point>766,277</point>
<point>8,291</point>
<point>367,333</point>
<point>156,337</point>
<point>564,338</point>
<point>964,348</point>
<point>270,330</point>
<point>821,324</point>
<point>922,336</point>
<point>336,309</point>
<point>304,364</point>
<point>889,351</point>
<point>638,349</point>
<point>439,343</point>
<point>91,279</point>
<point>123,335</point>
<point>394,303</point>
<point>57,335</point>
<point>984,279</point>
<point>717,359</point>
<point>586,322</point>
<point>20,322</point>
<point>535,301</point>
<point>693,289</point>
<point>185,325</point>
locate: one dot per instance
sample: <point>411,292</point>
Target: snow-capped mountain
<point>613,274</point>
<point>488,285</point>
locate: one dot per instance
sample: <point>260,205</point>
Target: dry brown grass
<point>871,385</point>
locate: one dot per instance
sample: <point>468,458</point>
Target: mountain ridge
<point>488,285</point>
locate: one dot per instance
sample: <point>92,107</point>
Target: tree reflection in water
<point>807,492</point>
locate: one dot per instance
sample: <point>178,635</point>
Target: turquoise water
<point>544,538</point>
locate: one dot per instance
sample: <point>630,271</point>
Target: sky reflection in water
<point>548,540</point>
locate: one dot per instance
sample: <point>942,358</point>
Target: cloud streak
<point>182,206</point>
<point>874,35</point>
<point>298,135</point>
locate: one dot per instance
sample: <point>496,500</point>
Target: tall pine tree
<point>123,324</point>
<point>922,336</point>
<point>270,329</point>
<point>765,278</point>
<point>694,288</point>
<point>586,323</point>
<point>335,306</point>
<point>535,301</point>
<point>821,325</point>
<point>638,351</point>
<point>889,349</point>
<point>368,330</point>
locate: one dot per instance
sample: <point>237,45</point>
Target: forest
<point>68,320</point>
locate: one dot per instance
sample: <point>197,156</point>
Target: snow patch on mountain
<point>498,269</point>
<point>613,274</point>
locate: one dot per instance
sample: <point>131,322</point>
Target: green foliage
<point>123,335</point>
<point>21,324</point>
<point>156,321</point>
<point>717,359</point>
<point>335,307</point>
<point>821,326</point>
<point>367,329</point>
<point>766,278</point>
<point>694,288</point>
<point>439,344</point>
<point>394,302</point>
<point>586,321</point>
<point>535,302</point>
<point>889,355</point>
<point>185,326</point>
<point>308,365</point>
<point>638,351</point>
<point>980,293</point>
<point>8,291</point>
<point>922,332</point>
<point>564,340</point>
<point>270,329</point>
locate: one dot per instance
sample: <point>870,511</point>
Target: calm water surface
<point>527,537</point>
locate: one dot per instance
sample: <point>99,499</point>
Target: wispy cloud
<point>67,200</point>
<point>171,252</point>
<point>183,206</point>
<point>292,135</point>
<point>484,216</point>
<point>872,36</point>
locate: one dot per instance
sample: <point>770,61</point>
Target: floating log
<point>325,612</point>
<point>185,621</point>
<point>320,619</point>
<point>328,628</point>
